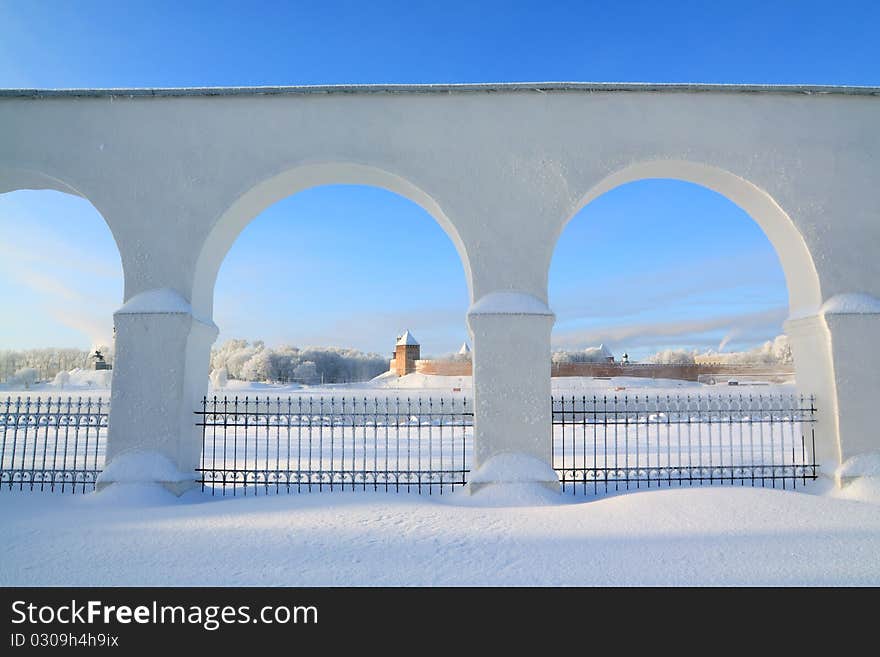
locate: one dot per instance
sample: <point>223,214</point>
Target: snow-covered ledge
<point>161,301</point>
<point>160,374</point>
<point>510,331</point>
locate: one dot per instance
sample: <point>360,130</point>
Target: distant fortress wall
<point>705,372</point>
<point>407,359</point>
<point>444,367</point>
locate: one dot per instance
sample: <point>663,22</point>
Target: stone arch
<point>809,334</point>
<point>802,279</point>
<point>287,183</point>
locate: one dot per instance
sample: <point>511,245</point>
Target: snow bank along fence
<point>302,443</point>
<point>610,443</point>
<point>56,444</point>
<point>305,443</point>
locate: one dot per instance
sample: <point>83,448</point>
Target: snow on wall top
<point>406,339</point>
<point>509,303</point>
<point>853,303</point>
<point>540,87</point>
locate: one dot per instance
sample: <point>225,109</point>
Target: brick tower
<point>406,353</point>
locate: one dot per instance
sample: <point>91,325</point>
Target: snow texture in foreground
<point>523,494</point>
<point>142,466</point>
<point>140,535</point>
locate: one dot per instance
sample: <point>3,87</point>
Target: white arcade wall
<point>178,173</point>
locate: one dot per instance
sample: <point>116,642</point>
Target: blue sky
<point>650,265</point>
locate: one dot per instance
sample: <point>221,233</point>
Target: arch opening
<point>671,286</point>
<point>346,266</point>
<point>671,265</point>
<point>288,183</point>
<point>802,280</point>
<point>63,278</point>
<point>323,278</point>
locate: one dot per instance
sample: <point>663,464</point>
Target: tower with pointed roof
<point>406,352</point>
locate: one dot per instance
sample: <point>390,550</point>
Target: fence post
<point>510,332</point>
<point>160,373</point>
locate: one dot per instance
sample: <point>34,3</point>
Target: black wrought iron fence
<point>52,444</point>
<point>309,443</point>
<point>612,443</point>
<point>301,443</point>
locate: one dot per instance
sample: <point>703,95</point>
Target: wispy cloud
<point>616,296</point>
<point>97,326</point>
<point>658,332</point>
<point>439,329</point>
<point>52,276</point>
<point>42,249</point>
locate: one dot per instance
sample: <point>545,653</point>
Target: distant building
<point>406,352</point>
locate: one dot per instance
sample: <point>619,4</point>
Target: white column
<point>837,358</point>
<point>814,373</point>
<point>510,332</point>
<point>160,374</point>
<point>854,330</point>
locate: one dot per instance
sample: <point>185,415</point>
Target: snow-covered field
<point>96,384</point>
<point>131,535</point>
<point>405,426</point>
<point>729,536</point>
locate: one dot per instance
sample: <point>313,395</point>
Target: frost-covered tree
<point>782,350</point>
<point>26,376</point>
<point>254,361</point>
<point>48,361</point>
<point>259,366</point>
<point>600,354</point>
<point>772,352</point>
<point>672,357</point>
<point>61,379</point>
<point>219,378</point>
<point>306,372</point>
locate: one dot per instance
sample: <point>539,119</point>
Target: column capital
<point>510,302</point>
<point>162,301</point>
